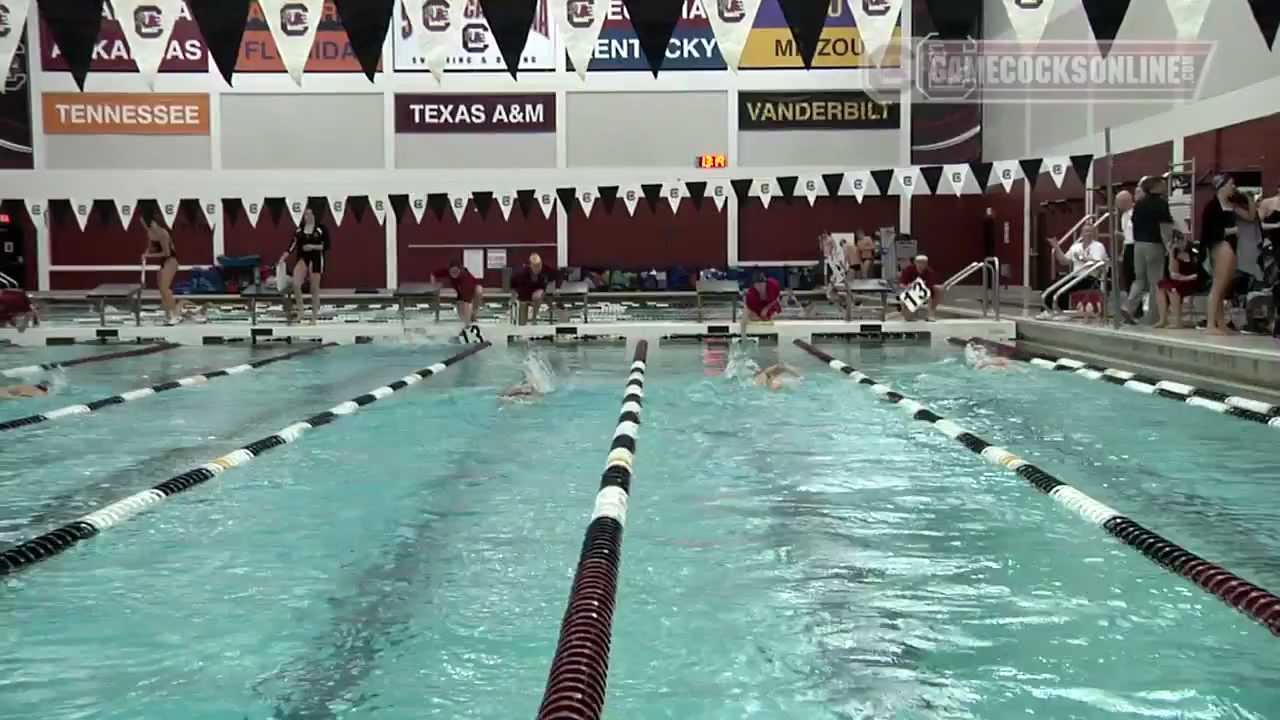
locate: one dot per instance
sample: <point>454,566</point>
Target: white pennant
<point>1006,171</point>
<point>580,22</point>
<point>378,204</point>
<point>731,21</point>
<point>1030,17</point>
<point>338,208</point>
<point>811,186</point>
<point>81,210</point>
<point>169,209</point>
<point>11,35</point>
<point>458,204</point>
<point>438,24</point>
<point>126,209</point>
<point>719,192</point>
<point>763,188</point>
<point>630,196</point>
<point>418,204</point>
<point>858,180</point>
<point>35,210</point>
<point>1057,169</point>
<point>906,179</point>
<point>587,198</point>
<point>147,26</point>
<point>293,25</point>
<point>1188,17</point>
<point>957,176</point>
<point>252,209</point>
<point>547,201</point>
<point>296,208</point>
<point>506,201</point>
<point>212,211</point>
<point>674,192</point>
<point>876,21</point>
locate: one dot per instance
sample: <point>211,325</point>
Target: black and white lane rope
<point>33,369</point>
<point>61,539</point>
<point>1244,408</point>
<point>1255,602</point>
<point>132,395</point>
<point>580,669</point>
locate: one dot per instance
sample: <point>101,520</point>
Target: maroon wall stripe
<point>650,239</point>
<point>357,258</point>
<point>790,231</point>
<point>519,235</point>
<point>105,242</point>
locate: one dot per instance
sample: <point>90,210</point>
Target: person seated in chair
<point>919,270</point>
<point>1085,250</point>
<point>530,285</point>
<point>1183,280</point>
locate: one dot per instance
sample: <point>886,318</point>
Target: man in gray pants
<point>1152,231</point>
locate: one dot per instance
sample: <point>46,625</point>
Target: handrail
<point>1068,281</point>
<point>7,283</point>
<point>963,274</point>
<point>994,263</point>
<point>990,268</point>
<point>579,674</point>
<point>1085,272</point>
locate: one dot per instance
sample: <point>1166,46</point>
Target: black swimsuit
<point>313,258</point>
<point>171,255</point>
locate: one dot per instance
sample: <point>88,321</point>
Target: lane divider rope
<point>1244,408</point>
<point>31,369</point>
<point>61,539</point>
<point>1255,602</point>
<point>132,395</point>
<point>580,669</point>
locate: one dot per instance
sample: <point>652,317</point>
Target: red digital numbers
<point>711,162</point>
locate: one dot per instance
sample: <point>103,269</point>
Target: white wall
<point>126,152</point>
<point>269,132</point>
<point>643,129</point>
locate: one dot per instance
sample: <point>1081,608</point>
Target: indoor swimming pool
<point>806,553</point>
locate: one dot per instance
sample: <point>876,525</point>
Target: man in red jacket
<point>470,294</point>
<point>919,270</point>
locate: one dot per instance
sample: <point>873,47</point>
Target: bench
<point>254,293</point>
<point>875,286</point>
<point>719,290</point>
<point>418,291</point>
<point>126,292</point>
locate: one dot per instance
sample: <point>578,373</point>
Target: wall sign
<point>446,113</point>
<point>815,111</point>
<point>126,113</point>
<point>186,51</point>
<point>479,51</point>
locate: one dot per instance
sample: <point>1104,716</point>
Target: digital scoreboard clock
<point>711,161</point>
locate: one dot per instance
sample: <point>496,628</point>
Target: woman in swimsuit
<point>311,245</point>
<point>160,245</point>
<point>1269,211</point>
<point>1218,237</point>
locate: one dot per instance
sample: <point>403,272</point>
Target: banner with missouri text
<point>692,47</point>
<point>850,110</point>
<point>185,51</point>
<point>331,50</point>
<point>771,46</point>
<point>479,51</point>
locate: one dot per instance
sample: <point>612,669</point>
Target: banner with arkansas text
<point>330,51</point>
<point>451,113</point>
<point>851,110</point>
<point>692,47</point>
<point>479,52</point>
<point>125,113</point>
<point>771,46</point>
<point>184,52</point>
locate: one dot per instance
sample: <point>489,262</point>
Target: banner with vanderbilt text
<point>850,110</point>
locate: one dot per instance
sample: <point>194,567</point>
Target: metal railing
<point>990,269</point>
<point>1097,268</point>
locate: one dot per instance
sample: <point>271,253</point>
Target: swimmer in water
<point>536,384</point>
<point>24,391</point>
<point>980,359</point>
<point>776,377</point>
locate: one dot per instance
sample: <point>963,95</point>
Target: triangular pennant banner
<point>506,201</point>
<point>956,19</point>
<point>609,196</point>
<point>741,188</point>
<point>731,21</point>
<point>222,24</point>
<point>483,200</point>
<point>719,191</point>
<point>211,208</point>
<point>981,172</point>
<point>1057,169</point>
<point>957,176</point>
<point>876,21</point>
<point>859,181</point>
<point>787,187</point>
<point>883,178</point>
<point>1267,14</point>
<point>674,192</point>
<point>296,208</point>
<point>439,30</point>
<point>418,203</point>
<point>1188,17</point>
<point>252,209</point>
<point>366,23</point>
<point>654,22</point>
<point>764,189</point>
<point>192,212</point>
<point>567,196</point>
<point>147,25</point>
<point>275,207</point>
<point>458,203</point>
<point>587,199</point>
<point>378,204</point>
<point>125,209</point>
<point>547,201</point>
<point>14,18</point>
<point>293,25</point>
<point>806,18</point>
<point>810,186</point>
<point>526,199</point>
<point>338,208</point>
<point>81,209</point>
<point>932,175</point>
<point>1082,164</point>
<point>630,197</point>
<point>833,181</point>
<point>1106,17</point>
<point>697,191</point>
<point>35,210</point>
<point>905,179</point>
<point>509,22</point>
<point>580,22</point>
<point>74,27</point>
<point>1006,172</point>
<point>1029,18</point>
<point>1031,170</point>
<point>169,209</point>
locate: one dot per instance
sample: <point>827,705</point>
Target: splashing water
<point>538,373</point>
<point>740,366</point>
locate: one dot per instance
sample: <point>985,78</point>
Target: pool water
<point>810,553</point>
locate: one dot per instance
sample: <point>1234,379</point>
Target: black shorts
<point>314,261</point>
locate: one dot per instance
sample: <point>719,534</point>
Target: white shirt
<point>1126,226</point>
<point>1079,255</point>
<point>837,262</point>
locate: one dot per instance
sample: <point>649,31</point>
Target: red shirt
<point>465,284</point>
<point>768,306</point>
<point>14,302</point>
<point>910,274</point>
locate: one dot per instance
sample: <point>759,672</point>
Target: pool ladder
<point>990,268</point>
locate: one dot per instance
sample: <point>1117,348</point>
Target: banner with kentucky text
<point>331,50</point>
<point>771,46</point>
<point>850,110</point>
<point>479,52</point>
<point>77,113</point>
<point>692,46</point>
<point>458,113</point>
<point>15,113</point>
<point>184,52</point>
